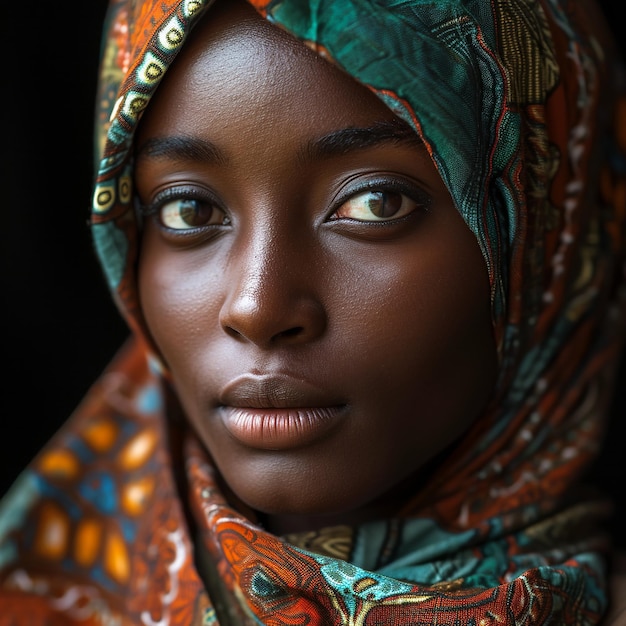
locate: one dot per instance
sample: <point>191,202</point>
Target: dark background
<point>59,326</point>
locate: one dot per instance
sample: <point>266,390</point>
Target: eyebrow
<point>335,143</point>
<point>181,148</point>
<point>351,139</point>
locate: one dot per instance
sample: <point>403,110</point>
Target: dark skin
<point>320,303</point>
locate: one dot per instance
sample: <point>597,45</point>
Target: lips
<point>277,412</point>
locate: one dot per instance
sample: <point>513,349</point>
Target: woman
<point>373,265</point>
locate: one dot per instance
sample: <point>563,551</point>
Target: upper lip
<point>274,391</point>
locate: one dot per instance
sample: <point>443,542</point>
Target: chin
<point>297,503</point>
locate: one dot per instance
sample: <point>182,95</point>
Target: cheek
<point>422,348</point>
<point>178,301</point>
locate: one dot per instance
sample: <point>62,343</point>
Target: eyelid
<point>379,183</point>
<point>179,192</point>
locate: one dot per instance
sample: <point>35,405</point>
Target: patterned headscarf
<point>119,520</point>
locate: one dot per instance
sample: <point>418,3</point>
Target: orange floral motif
<point>87,541</point>
<point>100,434</point>
<point>52,532</point>
<point>136,452</point>
<point>60,463</point>
<point>136,495</point>
<point>116,562</point>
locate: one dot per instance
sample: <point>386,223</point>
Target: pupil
<point>194,214</point>
<point>384,204</point>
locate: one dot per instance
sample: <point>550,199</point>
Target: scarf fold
<point>120,519</point>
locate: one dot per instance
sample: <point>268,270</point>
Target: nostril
<point>290,332</point>
<point>232,332</point>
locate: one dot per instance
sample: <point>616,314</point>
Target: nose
<point>271,298</point>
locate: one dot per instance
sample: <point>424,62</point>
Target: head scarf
<point>119,520</point>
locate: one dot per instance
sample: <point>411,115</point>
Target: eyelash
<point>175,193</point>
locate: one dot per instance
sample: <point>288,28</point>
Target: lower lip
<point>280,429</point>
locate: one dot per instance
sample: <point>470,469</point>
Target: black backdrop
<point>59,326</point>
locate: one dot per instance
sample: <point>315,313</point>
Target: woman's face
<point>322,306</point>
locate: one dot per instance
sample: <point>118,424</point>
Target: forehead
<point>239,70</point>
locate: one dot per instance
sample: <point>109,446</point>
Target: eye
<point>179,211</point>
<point>378,205</point>
<point>190,213</point>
